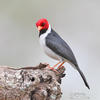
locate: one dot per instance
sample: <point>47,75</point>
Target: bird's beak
<point>39,28</point>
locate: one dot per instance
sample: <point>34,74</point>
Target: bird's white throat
<point>43,36</point>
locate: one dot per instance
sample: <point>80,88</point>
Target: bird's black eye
<point>42,24</point>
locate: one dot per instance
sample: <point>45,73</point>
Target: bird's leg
<point>61,65</point>
<point>52,68</point>
<point>56,64</point>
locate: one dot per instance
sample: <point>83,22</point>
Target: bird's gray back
<point>60,47</point>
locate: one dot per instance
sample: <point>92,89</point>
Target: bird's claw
<point>52,68</point>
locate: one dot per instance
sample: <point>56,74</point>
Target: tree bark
<point>30,83</point>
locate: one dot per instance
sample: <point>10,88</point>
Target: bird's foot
<point>52,68</point>
<point>61,69</point>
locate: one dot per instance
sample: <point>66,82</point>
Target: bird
<point>55,47</point>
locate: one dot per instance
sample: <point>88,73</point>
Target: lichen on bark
<point>30,83</point>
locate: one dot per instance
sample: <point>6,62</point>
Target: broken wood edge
<point>42,90</point>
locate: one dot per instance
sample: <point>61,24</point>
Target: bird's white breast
<point>48,51</point>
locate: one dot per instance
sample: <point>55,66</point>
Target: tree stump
<point>30,83</point>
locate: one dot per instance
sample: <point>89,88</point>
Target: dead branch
<point>30,83</point>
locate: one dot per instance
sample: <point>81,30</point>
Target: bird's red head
<point>42,24</point>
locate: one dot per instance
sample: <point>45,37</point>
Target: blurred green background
<point>77,21</point>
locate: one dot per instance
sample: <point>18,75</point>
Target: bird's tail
<point>83,77</point>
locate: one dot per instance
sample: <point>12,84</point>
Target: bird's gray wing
<point>60,47</point>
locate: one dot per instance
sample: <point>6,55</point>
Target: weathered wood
<point>30,83</point>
